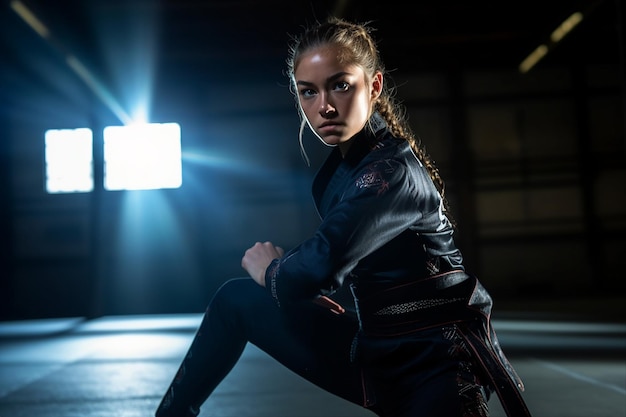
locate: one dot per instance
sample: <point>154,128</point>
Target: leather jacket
<point>384,230</point>
<point>382,222</point>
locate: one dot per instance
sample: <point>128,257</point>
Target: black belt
<point>452,297</point>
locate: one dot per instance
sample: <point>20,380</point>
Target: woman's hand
<point>258,258</point>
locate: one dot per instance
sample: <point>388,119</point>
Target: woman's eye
<point>307,92</point>
<point>342,86</point>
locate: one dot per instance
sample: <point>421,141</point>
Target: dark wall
<point>534,166</point>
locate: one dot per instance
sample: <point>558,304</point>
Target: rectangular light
<point>532,59</point>
<point>69,160</point>
<point>142,157</point>
<point>566,27</point>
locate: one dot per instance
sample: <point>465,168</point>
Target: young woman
<point>420,343</point>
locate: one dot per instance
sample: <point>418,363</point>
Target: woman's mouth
<point>329,127</point>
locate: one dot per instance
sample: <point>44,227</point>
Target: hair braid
<point>395,115</point>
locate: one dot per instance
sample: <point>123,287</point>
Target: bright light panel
<point>69,160</point>
<point>142,157</point>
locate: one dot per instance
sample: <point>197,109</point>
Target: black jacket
<point>382,222</point>
<point>383,228</point>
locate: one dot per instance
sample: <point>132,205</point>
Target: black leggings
<point>311,341</point>
<point>315,343</point>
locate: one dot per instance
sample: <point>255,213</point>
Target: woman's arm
<point>257,258</point>
<point>381,202</point>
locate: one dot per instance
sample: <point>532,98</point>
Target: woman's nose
<point>326,108</point>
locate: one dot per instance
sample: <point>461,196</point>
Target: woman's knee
<point>231,293</point>
<point>241,296</point>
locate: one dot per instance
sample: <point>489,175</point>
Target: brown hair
<point>357,46</point>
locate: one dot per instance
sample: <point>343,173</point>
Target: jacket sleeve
<point>379,203</point>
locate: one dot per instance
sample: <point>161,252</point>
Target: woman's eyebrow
<point>304,83</point>
<point>329,79</point>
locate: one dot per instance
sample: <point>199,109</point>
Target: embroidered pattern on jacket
<point>471,391</point>
<point>374,178</point>
<point>414,306</point>
<point>273,271</point>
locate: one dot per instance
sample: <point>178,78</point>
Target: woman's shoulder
<point>387,159</point>
<point>394,157</point>
<point>391,148</point>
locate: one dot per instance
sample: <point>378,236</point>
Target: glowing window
<point>142,157</point>
<point>69,160</point>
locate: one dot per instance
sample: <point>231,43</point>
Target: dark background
<point>534,163</point>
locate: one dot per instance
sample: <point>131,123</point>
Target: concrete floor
<point>120,367</point>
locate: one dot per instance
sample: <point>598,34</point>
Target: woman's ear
<point>377,85</point>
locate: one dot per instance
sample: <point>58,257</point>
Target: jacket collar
<point>366,139</point>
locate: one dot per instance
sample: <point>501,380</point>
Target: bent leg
<point>309,340</point>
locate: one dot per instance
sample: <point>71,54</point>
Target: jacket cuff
<point>271,274</point>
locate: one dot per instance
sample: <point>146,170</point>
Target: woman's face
<point>336,98</point>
